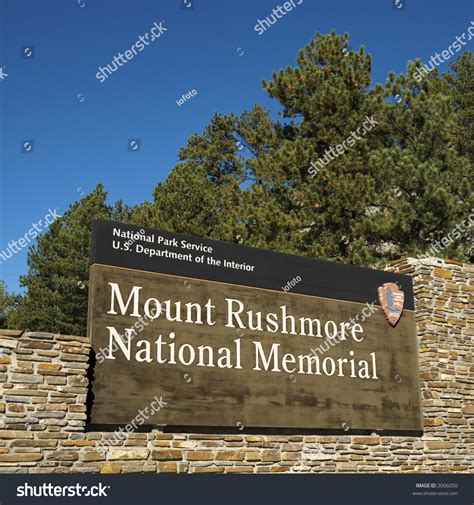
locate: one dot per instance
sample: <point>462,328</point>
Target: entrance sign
<point>220,332</point>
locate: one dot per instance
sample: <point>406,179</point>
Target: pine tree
<point>8,302</point>
<point>395,191</point>
<point>57,279</point>
<point>458,84</point>
<point>431,188</point>
<point>325,99</point>
<point>202,193</point>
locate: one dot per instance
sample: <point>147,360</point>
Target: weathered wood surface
<point>215,397</point>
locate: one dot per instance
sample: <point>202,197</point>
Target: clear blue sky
<point>81,127</point>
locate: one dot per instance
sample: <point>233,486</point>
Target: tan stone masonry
<point>43,392</point>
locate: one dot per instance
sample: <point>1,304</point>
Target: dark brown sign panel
<point>220,354</point>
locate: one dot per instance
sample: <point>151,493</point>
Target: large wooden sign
<point>230,336</point>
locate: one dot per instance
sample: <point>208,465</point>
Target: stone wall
<point>44,384</point>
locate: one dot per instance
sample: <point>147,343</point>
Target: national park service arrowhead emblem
<point>391,299</point>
